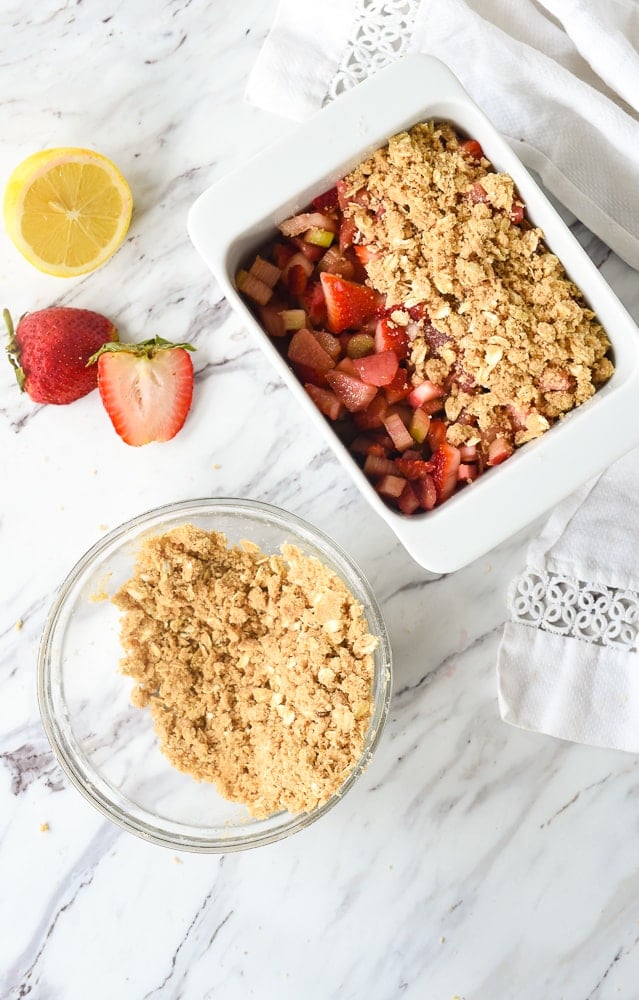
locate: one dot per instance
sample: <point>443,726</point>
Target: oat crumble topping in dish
<point>257,669</point>
<point>426,317</point>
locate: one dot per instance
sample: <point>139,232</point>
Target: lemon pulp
<point>67,210</point>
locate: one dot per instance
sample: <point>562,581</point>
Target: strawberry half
<point>348,304</point>
<point>50,349</point>
<point>146,388</point>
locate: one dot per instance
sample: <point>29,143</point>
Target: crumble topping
<point>506,332</point>
<point>257,669</point>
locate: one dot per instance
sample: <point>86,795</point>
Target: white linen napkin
<point>568,662</point>
<point>559,78</point>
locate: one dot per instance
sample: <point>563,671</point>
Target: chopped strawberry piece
<point>305,350</point>
<point>297,260</point>
<point>418,312</point>
<point>306,375</point>
<point>364,254</point>
<point>391,486</point>
<point>354,394</point>
<point>432,406</point>
<point>346,365</point>
<point>435,338</point>
<point>347,232</point>
<point>399,388</point>
<point>325,400</point>
<point>330,343</point>
<point>478,194</point>
<point>390,337</point>
<point>413,468</point>
<point>342,198</point>
<point>326,202</point>
<point>468,452</point>
<point>315,305</point>
<point>373,416</point>
<point>282,253</point>
<point>377,369</point>
<point>517,213</point>
<point>426,492</point>
<point>296,279</point>
<point>556,380</point>
<point>377,465</point>
<point>424,393</point>
<point>472,149</point>
<point>348,304</point>
<point>271,319</point>
<point>408,501</point>
<point>398,432</point>
<point>436,434</point>
<point>499,450</point>
<point>444,466</point>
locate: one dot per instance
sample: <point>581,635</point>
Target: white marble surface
<point>472,858</point>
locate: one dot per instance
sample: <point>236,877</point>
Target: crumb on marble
<point>216,466</point>
<point>176,860</point>
<point>44,827</point>
<point>19,625</point>
<point>257,669</point>
<point>101,593</point>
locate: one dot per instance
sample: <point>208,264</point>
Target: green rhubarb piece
<point>319,237</point>
<point>359,345</point>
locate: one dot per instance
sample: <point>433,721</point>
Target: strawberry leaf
<point>145,348</point>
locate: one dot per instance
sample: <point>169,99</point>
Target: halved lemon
<point>67,210</point>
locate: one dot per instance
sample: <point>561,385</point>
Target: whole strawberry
<point>146,388</point>
<point>50,349</point>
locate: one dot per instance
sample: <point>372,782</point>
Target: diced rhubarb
<point>296,279</point>
<point>376,465</point>
<point>377,369</point>
<point>330,343</point>
<point>264,271</point>
<point>398,432</point>
<point>444,466</point>
<point>307,220</point>
<point>325,400</point>
<point>399,388</point>
<point>361,444</point>
<point>413,468</point>
<point>467,473</point>
<point>432,406</point>
<point>271,319</point>
<point>472,149</point>
<point>348,304</point>
<point>359,345</point>
<point>354,394</point>
<point>309,251</point>
<point>436,434</point>
<point>426,492</point>
<point>319,237</point>
<point>468,452</point>
<point>391,486</point>
<point>478,194</point>
<point>346,365</point>
<point>390,337</point>
<point>253,287</point>
<point>305,350</point>
<point>327,201</point>
<point>334,262</point>
<point>419,426</point>
<point>292,319</point>
<point>408,501</point>
<point>424,393</point>
<point>373,416</point>
<point>499,450</point>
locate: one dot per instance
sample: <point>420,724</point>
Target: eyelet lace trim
<point>382,32</point>
<point>605,616</point>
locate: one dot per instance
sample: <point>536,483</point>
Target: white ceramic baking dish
<point>231,219</point>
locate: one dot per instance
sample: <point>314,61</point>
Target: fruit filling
<point>426,318</point>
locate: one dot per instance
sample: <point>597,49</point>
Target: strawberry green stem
<point>145,349</point>
<point>13,350</point>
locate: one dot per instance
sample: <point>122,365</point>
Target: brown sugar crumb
<point>257,669</point>
<point>504,330</point>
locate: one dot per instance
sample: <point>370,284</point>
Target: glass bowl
<point>107,747</point>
